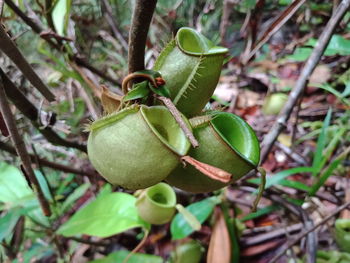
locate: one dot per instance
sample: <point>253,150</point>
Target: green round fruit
<point>273,103</point>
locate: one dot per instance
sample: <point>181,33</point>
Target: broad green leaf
<point>300,54</point>
<point>13,185</point>
<point>36,251</point>
<point>108,215</point>
<point>15,192</point>
<point>8,222</point>
<point>276,178</point>
<point>74,196</point>
<point>105,190</point>
<point>161,91</point>
<point>201,210</point>
<point>60,15</point>
<point>139,91</point>
<point>321,143</point>
<point>261,212</point>
<point>338,45</point>
<point>119,256</point>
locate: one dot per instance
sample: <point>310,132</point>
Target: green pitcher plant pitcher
<point>342,234</point>
<point>157,204</point>
<point>191,66</point>
<point>225,141</point>
<point>137,147</point>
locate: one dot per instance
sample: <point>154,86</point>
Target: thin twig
<point>177,116</point>
<point>31,112</point>
<point>10,49</point>
<point>311,244</point>
<point>302,81</point>
<point>57,166</point>
<point>141,20</point>
<point>305,233</point>
<point>274,27</point>
<point>250,240</point>
<point>21,149</point>
<point>90,242</point>
<point>76,57</point>
<point>113,25</point>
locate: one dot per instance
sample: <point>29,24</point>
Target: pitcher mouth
<point>238,135</point>
<point>167,130</point>
<point>193,43</point>
<point>162,195</point>
<point>111,118</point>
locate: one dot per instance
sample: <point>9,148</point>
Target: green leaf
<point>261,212</point>
<point>43,185</point>
<point>13,185</point>
<point>278,177</point>
<point>119,256</point>
<point>340,96</point>
<point>346,91</point>
<point>74,196</point>
<point>300,54</point>
<point>139,91</point>
<point>324,177</point>
<point>108,215</point>
<point>15,192</point>
<point>161,91</point>
<point>294,184</point>
<point>36,251</point>
<point>60,15</point>
<point>338,45</point>
<point>321,143</point>
<point>8,222</point>
<point>201,210</point>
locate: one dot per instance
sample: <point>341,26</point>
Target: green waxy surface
<point>137,147</point>
<point>191,67</point>
<point>157,205</point>
<point>226,142</point>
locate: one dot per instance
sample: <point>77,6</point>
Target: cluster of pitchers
<point>140,146</point>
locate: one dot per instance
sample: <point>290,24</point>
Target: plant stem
<point>141,20</point>
<point>37,28</point>
<point>31,112</point>
<point>177,115</point>
<point>21,149</point>
<point>10,49</point>
<point>57,166</point>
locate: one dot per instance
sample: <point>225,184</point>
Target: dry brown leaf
<point>321,75</point>
<point>110,101</point>
<point>220,243</point>
<point>258,249</point>
<point>247,99</point>
<point>208,170</point>
<point>285,139</point>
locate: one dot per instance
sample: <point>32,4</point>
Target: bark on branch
<point>31,112</point>
<point>21,150</point>
<point>141,20</point>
